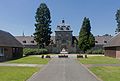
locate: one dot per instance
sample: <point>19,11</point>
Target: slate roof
<point>100,40</point>
<point>6,39</point>
<point>26,40</point>
<point>114,41</point>
<point>63,26</point>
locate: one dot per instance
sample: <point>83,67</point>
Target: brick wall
<point>7,53</point>
<point>118,52</point>
<point>111,52</point>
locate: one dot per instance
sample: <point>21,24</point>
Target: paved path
<point>63,69</point>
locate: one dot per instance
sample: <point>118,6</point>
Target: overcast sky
<point>17,16</point>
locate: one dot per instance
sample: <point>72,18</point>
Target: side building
<point>112,48</point>
<point>27,41</point>
<point>63,39</point>
<point>10,48</point>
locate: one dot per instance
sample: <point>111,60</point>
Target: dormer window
<point>61,28</point>
<point>24,41</point>
<point>58,26</point>
<point>96,41</point>
<point>105,41</point>
<point>1,51</point>
<point>32,41</point>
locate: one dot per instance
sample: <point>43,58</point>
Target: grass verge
<point>16,73</point>
<point>30,60</point>
<point>100,60</point>
<point>107,73</point>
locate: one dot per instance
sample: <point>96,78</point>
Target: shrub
<point>31,51</point>
<point>63,56</point>
<point>98,51</point>
<point>79,56</point>
<point>85,56</point>
<point>47,56</point>
<point>41,51</point>
<point>42,56</point>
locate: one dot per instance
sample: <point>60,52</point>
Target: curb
<point>44,67</point>
<point>91,72</point>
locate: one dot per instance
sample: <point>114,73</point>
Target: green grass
<point>16,73</point>
<point>30,60</point>
<point>107,73</point>
<point>99,60</point>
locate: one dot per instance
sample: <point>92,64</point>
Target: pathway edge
<point>90,71</point>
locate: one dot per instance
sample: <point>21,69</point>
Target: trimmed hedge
<point>79,56</point>
<point>31,51</point>
<point>98,51</point>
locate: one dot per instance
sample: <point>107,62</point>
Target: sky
<point>18,16</point>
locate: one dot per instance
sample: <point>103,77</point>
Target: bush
<point>63,56</point>
<point>31,51</point>
<point>47,56</point>
<point>98,51</point>
<point>42,56</point>
<point>79,56</point>
<point>86,56</point>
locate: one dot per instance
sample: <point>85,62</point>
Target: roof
<point>6,39</point>
<point>63,26</point>
<point>114,41</point>
<point>100,40</point>
<point>26,40</point>
<point>29,40</point>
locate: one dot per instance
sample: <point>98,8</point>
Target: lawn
<point>99,60</point>
<point>30,60</point>
<point>107,73</point>
<point>16,73</point>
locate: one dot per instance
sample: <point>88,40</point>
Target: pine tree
<point>42,30</point>
<point>118,21</point>
<point>86,38</point>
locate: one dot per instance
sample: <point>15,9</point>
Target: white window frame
<point>1,51</point>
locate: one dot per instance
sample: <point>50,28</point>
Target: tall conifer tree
<point>118,21</point>
<point>86,38</point>
<point>43,31</point>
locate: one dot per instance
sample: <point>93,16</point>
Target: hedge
<point>32,51</point>
<point>98,51</point>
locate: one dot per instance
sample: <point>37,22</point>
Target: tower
<point>63,36</point>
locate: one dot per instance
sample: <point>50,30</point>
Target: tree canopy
<point>86,38</point>
<point>118,20</point>
<point>43,31</point>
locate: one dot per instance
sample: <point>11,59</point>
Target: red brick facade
<point>117,52</point>
<point>8,53</point>
<point>112,52</point>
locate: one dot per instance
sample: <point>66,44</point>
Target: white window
<point>1,51</point>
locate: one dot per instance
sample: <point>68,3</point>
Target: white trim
<point>1,54</point>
